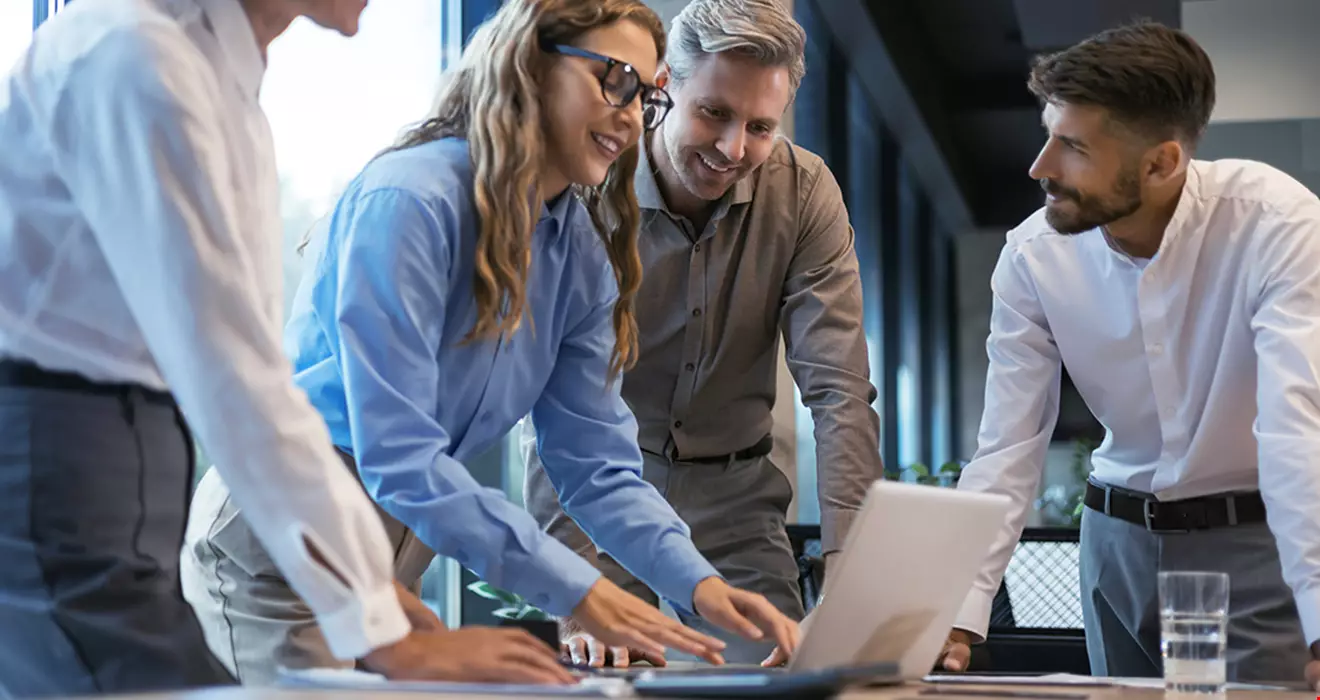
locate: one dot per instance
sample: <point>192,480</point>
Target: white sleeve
<point>1021,408</point>
<point>137,140</point>
<point>1286,322</point>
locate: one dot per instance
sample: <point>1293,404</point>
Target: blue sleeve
<point>587,441</point>
<point>390,312</point>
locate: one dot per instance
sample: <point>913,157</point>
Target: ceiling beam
<point>915,118</point>
<point>1051,25</point>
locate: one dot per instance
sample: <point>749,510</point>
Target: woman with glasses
<point>481,270</point>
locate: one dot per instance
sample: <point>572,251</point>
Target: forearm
<point>630,520</point>
<point>1290,488</point>
<point>439,501</point>
<point>1015,470</point>
<point>848,461</point>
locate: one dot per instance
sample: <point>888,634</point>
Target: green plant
<point>1061,505</point>
<point>1082,449</point>
<point>917,472</point>
<point>512,605</point>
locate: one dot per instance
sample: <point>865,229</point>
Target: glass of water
<point>1193,631</point>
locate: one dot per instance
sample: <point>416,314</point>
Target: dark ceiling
<point>959,67</point>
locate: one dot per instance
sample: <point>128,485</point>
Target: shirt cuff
<point>678,568</point>
<point>1308,609</point>
<point>368,622</point>
<point>974,617</point>
<point>554,579</point>
<point>835,524</point>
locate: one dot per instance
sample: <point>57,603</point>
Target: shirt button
<point>485,416</point>
<point>689,367</point>
<point>1156,349</point>
<point>678,424</point>
<point>696,248</point>
<point>696,312</point>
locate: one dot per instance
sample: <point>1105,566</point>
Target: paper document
<point>1049,679</point>
<point>349,679</point>
<point>1071,679</point>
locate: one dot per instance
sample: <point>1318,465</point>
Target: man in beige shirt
<point>744,236</point>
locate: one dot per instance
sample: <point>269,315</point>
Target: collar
<point>1187,199</point>
<point>557,212</point>
<point>648,193</point>
<point>644,184</point>
<point>238,43</point>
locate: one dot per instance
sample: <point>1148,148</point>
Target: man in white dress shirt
<point>139,264</point>
<point>1183,297</point>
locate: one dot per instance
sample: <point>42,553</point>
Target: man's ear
<point>662,75</point>
<point>1166,161</point>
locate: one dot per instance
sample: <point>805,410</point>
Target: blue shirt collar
<point>558,212</point>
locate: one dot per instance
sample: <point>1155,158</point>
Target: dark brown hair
<point>1154,80</point>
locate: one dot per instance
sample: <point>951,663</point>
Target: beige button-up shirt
<point>776,256</point>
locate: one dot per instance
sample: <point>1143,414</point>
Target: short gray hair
<point>762,29</point>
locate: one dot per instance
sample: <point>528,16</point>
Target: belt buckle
<point>1147,510</point>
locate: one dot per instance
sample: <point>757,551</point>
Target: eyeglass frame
<point>641,92</point>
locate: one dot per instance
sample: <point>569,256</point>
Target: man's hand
<point>471,655</point>
<point>957,652</point>
<point>585,649</point>
<point>620,619</point>
<point>420,616</point>
<point>744,613</point>
<point>779,657</point>
<point>1313,668</point>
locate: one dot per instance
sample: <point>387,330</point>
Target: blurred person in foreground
<point>140,298</point>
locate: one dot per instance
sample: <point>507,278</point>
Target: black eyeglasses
<point>620,85</point>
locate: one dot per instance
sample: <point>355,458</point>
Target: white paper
<point>1050,679</point>
<point>349,679</point>
<point>1065,679</point>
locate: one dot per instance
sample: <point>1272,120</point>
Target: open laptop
<point>889,601</point>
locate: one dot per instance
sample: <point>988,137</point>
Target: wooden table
<point>911,691</point>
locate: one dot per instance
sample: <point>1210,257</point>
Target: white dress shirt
<point>140,242</point>
<point>1202,363</point>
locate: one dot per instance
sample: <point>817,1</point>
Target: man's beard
<point>1090,211</point>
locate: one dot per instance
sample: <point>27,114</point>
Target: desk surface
<point>910,691</point>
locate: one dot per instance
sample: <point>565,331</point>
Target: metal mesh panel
<point>1043,589</point>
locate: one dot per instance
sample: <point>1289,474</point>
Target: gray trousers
<point>1120,599</point>
<point>736,512</point>
<point>93,499</point>
<point>253,620</point>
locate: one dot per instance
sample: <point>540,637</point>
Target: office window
<point>335,102</point>
<point>15,31</point>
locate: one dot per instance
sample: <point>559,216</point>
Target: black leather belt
<point>1183,516</point>
<point>760,449</point>
<point>18,373</point>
